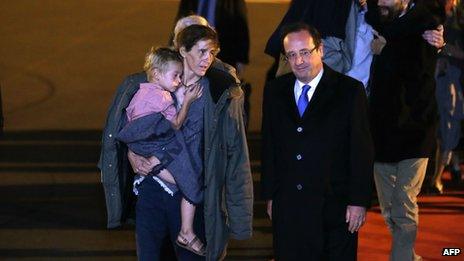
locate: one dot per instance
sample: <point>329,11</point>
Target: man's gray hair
<point>188,21</point>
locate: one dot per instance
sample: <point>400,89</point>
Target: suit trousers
<point>310,232</point>
<point>158,216</point>
<point>398,185</point>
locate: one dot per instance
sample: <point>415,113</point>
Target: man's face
<point>390,9</point>
<point>304,57</point>
<point>201,56</point>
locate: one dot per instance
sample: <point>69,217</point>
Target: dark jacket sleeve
<point>239,182</point>
<point>113,164</point>
<point>361,151</point>
<point>268,176</point>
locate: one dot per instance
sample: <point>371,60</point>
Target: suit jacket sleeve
<point>361,152</point>
<point>267,148</point>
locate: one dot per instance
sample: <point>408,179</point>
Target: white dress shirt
<point>362,58</point>
<point>313,83</point>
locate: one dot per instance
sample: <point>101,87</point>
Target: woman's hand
<point>142,165</point>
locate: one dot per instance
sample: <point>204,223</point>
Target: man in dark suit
<point>317,154</point>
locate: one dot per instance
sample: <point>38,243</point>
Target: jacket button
<point>110,135</point>
<point>299,187</point>
<point>109,165</point>
<point>299,129</point>
<point>299,157</point>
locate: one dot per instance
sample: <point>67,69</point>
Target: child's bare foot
<point>191,242</point>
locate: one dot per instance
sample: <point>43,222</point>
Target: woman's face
<point>200,57</point>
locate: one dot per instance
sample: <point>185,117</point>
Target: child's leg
<point>166,176</point>
<point>187,212</point>
<point>187,235</point>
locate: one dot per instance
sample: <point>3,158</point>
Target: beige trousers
<point>398,185</point>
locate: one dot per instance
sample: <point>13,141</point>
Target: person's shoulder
<point>139,77</point>
<point>221,73</point>
<point>132,81</point>
<point>421,13</point>
<point>343,82</point>
<point>282,81</point>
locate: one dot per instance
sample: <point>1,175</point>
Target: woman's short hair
<point>188,37</point>
<point>159,58</point>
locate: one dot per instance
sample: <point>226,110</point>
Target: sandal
<point>189,245</point>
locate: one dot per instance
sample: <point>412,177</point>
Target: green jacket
<point>228,201</point>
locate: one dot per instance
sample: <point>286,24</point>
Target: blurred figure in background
<point>449,95</point>
<point>334,19</point>
<point>229,18</point>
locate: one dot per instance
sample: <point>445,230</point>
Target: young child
<point>152,130</point>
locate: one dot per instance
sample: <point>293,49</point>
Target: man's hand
<point>142,165</point>
<point>378,43</point>
<point>269,208</point>
<point>355,216</point>
<point>435,37</point>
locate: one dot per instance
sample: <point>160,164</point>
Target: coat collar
<point>219,82</point>
<point>321,95</point>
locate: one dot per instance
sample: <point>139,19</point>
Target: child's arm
<point>191,94</point>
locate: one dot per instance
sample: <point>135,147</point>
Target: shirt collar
<point>409,8</point>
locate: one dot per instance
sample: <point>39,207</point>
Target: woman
<point>449,96</point>
<point>215,123</point>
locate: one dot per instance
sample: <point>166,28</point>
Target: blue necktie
<point>303,100</point>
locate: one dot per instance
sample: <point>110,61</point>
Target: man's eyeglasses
<point>304,53</point>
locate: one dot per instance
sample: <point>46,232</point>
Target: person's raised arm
<point>190,95</point>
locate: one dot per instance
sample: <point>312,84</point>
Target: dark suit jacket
<point>336,164</point>
<point>231,26</point>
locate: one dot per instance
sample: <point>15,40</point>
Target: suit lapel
<point>289,98</point>
<point>322,94</point>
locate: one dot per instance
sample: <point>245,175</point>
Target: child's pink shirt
<point>151,98</point>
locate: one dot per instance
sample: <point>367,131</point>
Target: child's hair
<point>158,58</point>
